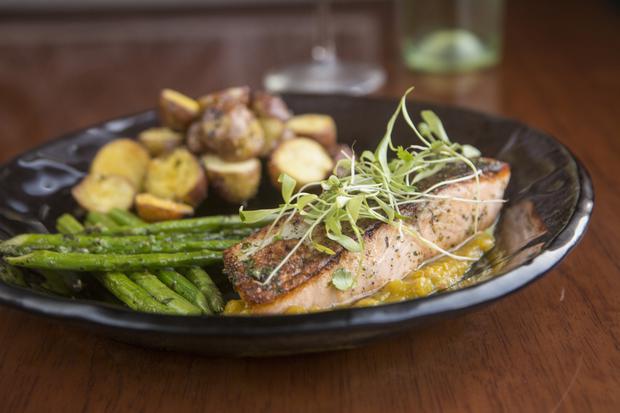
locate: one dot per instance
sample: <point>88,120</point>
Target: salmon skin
<point>305,279</point>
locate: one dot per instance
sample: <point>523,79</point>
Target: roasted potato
<point>193,138</point>
<point>152,209</point>
<point>225,99</point>
<point>233,135</point>
<point>321,128</point>
<point>266,105</point>
<point>303,159</point>
<point>233,181</point>
<point>176,110</point>
<point>274,131</point>
<point>160,140</point>
<point>177,176</point>
<point>101,193</point>
<point>123,157</point>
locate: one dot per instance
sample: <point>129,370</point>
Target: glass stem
<point>324,50</point>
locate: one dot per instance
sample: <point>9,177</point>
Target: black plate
<point>550,202</point>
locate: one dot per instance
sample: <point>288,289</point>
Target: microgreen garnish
<point>342,279</point>
<point>379,183</point>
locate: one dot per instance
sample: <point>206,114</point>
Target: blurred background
<point>65,64</point>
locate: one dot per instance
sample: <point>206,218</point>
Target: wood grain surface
<point>554,346</point>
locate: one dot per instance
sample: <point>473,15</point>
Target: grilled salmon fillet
<point>305,279</point>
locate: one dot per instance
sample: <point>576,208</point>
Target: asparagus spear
<point>203,224</point>
<point>134,296</point>
<point>116,284</point>
<point>12,275</point>
<point>67,224</point>
<point>124,218</point>
<point>62,282</point>
<point>203,281</point>
<point>184,288</point>
<point>57,281</point>
<point>112,262</point>
<point>170,277</point>
<point>98,244</point>
<point>163,294</point>
<point>99,219</point>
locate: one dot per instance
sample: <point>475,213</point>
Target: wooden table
<point>554,346</point>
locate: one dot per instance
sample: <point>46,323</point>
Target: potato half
<point>102,193</point>
<point>303,159</point>
<point>266,105</point>
<point>176,110</point>
<point>234,135</point>
<point>321,128</point>
<point>152,209</point>
<point>177,176</point>
<point>160,140</point>
<point>123,157</point>
<point>274,131</point>
<point>225,99</point>
<point>233,181</point>
<point>194,139</point>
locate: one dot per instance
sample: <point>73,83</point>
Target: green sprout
<point>376,187</point>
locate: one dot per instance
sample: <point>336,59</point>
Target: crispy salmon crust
<point>305,279</point>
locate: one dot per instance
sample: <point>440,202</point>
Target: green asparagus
<point>124,218</point>
<point>112,262</point>
<point>56,281</point>
<point>63,282</point>
<point>163,294</point>
<point>102,244</point>
<point>12,275</point>
<point>204,224</point>
<point>67,224</point>
<point>134,296</point>
<point>101,220</point>
<point>184,288</point>
<point>120,241</point>
<point>203,281</point>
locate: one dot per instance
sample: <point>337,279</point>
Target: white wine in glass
<point>325,73</point>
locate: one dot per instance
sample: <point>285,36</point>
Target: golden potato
<point>193,138</point>
<point>233,181</point>
<point>152,209</point>
<point>102,193</point>
<point>123,157</point>
<point>226,99</point>
<point>176,110</point>
<point>160,140</point>
<point>233,135</point>
<point>266,105</point>
<point>321,128</point>
<point>177,176</point>
<point>274,131</point>
<point>303,159</point>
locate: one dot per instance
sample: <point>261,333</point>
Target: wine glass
<point>326,73</point>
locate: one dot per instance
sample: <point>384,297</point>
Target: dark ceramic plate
<point>550,202</point>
